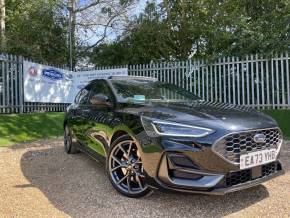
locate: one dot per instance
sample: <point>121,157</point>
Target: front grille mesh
<point>240,177</point>
<point>268,169</point>
<point>234,145</point>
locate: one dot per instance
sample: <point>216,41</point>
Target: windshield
<point>144,90</point>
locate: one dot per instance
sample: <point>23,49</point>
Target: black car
<point>153,135</point>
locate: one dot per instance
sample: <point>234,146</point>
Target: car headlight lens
<point>156,128</point>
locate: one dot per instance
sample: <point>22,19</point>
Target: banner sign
<point>82,78</point>
<point>47,84</point>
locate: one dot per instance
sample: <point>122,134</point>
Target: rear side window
<point>101,88</point>
<point>77,99</point>
<point>82,97</point>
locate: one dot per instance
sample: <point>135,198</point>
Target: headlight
<point>156,128</point>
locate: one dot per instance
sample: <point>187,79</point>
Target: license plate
<point>257,158</point>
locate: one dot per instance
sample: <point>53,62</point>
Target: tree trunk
<point>74,50</point>
<point>72,28</point>
<point>2,25</point>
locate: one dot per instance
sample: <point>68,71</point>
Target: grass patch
<point>283,119</point>
<point>17,128</point>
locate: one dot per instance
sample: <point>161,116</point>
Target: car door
<point>77,114</point>
<point>97,118</point>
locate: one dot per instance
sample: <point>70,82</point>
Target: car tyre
<point>125,170</point>
<point>69,147</point>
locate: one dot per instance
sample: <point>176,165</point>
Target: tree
<point>40,27</point>
<point>95,20</point>
<point>2,25</point>
<point>144,40</point>
<point>228,27</point>
<point>37,30</point>
<point>178,30</point>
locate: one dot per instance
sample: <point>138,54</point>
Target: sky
<point>139,8</point>
<point>141,4</point>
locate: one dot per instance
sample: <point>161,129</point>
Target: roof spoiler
<point>133,78</point>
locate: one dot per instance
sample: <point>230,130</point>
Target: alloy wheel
<point>126,169</point>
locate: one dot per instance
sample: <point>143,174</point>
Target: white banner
<point>53,85</point>
<point>47,84</point>
<point>82,78</point>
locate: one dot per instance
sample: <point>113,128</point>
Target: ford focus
<point>152,135</point>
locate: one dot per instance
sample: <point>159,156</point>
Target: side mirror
<point>100,100</point>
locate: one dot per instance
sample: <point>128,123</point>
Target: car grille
<point>238,177</point>
<point>243,176</point>
<point>268,169</point>
<point>231,147</point>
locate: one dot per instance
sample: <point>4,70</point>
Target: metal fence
<point>11,89</point>
<point>254,81</point>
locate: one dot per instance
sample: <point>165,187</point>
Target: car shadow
<point>75,185</point>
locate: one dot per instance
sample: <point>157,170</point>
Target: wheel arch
<point>117,134</point>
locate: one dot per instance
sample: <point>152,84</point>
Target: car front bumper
<point>177,166</point>
<point>214,184</point>
<point>219,191</point>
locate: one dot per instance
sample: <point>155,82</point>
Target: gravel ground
<point>39,180</point>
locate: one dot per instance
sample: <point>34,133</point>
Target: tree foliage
<point>39,29</point>
<point>144,40</point>
<point>94,21</point>
<point>170,30</point>
<point>202,28</point>
<point>36,29</point>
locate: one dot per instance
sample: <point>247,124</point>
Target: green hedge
<point>283,119</point>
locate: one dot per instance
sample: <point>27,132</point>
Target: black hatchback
<point>154,135</point>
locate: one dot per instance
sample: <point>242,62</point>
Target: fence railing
<point>11,89</point>
<point>254,81</point>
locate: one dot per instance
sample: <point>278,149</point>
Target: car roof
<point>153,79</point>
<point>124,78</point>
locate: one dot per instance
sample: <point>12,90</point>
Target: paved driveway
<point>40,180</point>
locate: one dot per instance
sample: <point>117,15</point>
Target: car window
<point>101,88</point>
<point>77,98</point>
<point>143,90</point>
<point>82,96</point>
